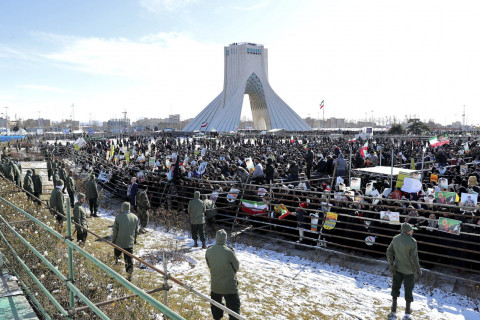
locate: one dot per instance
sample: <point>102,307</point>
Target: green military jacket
<point>37,184</point>
<point>125,230</point>
<point>70,183</point>
<point>402,253</point>
<point>196,209</point>
<point>57,200</point>
<point>28,183</point>
<point>142,200</point>
<point>80,215</point>
<point>8,171</point>
<point>92,191</point>
<point>223,266</point>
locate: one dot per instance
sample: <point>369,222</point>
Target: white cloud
<point>160,74</point>
<point>159,6</point>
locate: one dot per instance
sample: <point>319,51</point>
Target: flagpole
<point>391,170</point>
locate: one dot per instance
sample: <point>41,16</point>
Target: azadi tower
<point>246,72</point>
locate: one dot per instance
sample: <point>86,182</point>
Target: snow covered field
<point>277,286</point>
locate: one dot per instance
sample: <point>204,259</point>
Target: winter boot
<point>204,246</point>
<point>393,313</point>
<point>394,305</point>
<point>129,277</point>
<point>408,311</point>
<point>195,244</point>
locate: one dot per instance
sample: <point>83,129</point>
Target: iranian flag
<point>204,124</point>
<point>352,140</point>
<point>439,141</point>
<point>363,150</point>
<point>253,207</point>
<point>284,212</point>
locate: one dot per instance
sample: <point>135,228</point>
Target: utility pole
<point>73,116</point>
<point>463,116</point>
<point>6,118</point>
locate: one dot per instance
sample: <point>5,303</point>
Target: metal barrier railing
<point>69,281</point>
<point>152,267</point>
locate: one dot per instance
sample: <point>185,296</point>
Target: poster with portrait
<point>445,197</point>
<point>463,170</point>
<point>449,225</point>
<point>468,200</point>
<point>232,195</point>
<point>202,167</point>
<point>355,183</point>
<point>249,164</point>
<point>443,183</point>
<point>369,188</point>
<point>390,217</point>
<point>434,178</point>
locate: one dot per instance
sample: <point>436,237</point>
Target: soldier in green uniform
<point>8,169</point>
<point>196,210</point>
<point>17,174</point>
<point>92,195</point>
<point>125,232</point>
<point>404,266</point>
<point>70,187</point>
<point>28,184</point>
<point>80,217</point>
<point>223,265</point>
<point>37,185</point>
<point>49,167</point>
<point>57,203</point>
<point>62,173</point>
<point>143,205</point>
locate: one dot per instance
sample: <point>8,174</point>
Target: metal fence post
<point>165,279</point>
<point>70,255</point>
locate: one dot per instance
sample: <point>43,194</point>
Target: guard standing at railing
<point>196,210</point>
<point>125,232</point>
<point>92,195</point>
<point>49,166</point>
<point>404,265</point>
<point>28,183</point>
<point>57,203</point>
<point>37,185</point>
<point>223,265</point>
<point>80,217</point>
<point>143,206</point>
<point>71,187</point>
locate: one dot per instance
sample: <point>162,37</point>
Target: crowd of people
<point>306,176</point>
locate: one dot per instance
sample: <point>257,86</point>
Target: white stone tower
<point>246,72</point>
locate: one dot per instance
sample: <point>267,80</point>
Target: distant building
<point>38,123</point>
<point>335,123</point>
<point>172,122</point>
<point>117,125</point>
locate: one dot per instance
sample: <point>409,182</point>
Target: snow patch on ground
<point>278,286</point>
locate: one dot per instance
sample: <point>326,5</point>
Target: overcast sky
<point>153,58</point>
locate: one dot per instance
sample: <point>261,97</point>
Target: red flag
<point>363,150</point>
